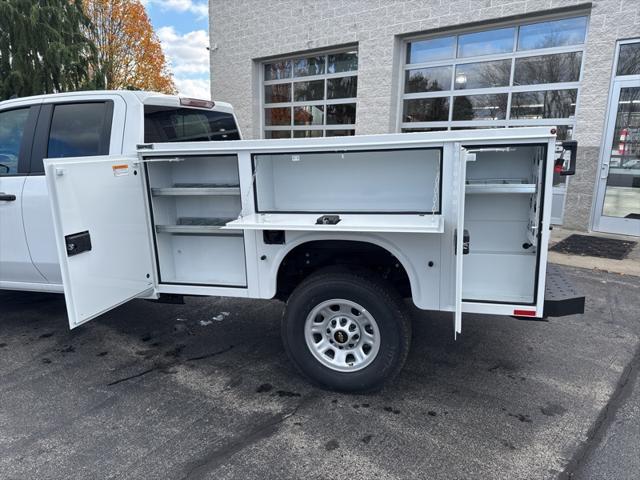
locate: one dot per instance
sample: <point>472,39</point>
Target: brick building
<point>341,67</point>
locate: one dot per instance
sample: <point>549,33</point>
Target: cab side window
<point>79,130</point>
<point>12,125</point>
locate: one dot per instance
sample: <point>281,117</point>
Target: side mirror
<point>566,166</point>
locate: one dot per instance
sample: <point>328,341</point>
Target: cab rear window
<point>170,124</point>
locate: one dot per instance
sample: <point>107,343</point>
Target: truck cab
<point>79,124</point>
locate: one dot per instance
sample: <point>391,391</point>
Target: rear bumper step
<point>560,296</point>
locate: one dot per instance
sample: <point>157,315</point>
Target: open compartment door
<point>102,235</point>
<point>459,187</point>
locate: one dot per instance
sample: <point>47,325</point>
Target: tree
<point>129,52</point>
<point>43,47</point>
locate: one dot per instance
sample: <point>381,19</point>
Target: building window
<point>526,74</point>
<point>310,96</point>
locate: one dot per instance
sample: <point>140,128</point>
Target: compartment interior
<point>349,182</point>
<point>502,213</point>
<point>191,199</point>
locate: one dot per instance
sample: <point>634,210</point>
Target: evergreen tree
<point>44,47</point>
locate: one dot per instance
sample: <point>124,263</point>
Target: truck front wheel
<point>346,331</point>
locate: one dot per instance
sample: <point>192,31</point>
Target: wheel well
<point>312,256</point>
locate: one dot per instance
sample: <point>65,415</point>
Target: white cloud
<point>200,9</point>
<point>187,53</point>
<point>193,87</point>
<point>189,59</point>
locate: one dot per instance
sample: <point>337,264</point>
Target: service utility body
<point>341,228</point>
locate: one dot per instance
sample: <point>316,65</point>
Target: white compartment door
<point>101,230</point>
<point>459,181</point>
<point>535,200</point>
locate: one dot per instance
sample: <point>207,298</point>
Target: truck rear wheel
<point>346,331</point>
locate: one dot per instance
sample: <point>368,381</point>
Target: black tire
<point>378,298</point>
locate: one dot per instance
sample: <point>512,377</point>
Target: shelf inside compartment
<point>199,225</point>
<point>208,189</point>
<point>199,171</point>
<point>409,223</point>
<point>202,259</point>
<point>499,185</point>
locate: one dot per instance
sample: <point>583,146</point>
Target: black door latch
<point>328,220</point>
<point>77,243</point>
<point>465,242</point>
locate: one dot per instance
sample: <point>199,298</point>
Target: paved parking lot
<point>204,390</point>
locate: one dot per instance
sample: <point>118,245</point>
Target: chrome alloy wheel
<point>342,335</point>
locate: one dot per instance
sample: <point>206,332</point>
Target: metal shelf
<point>497,188</point>
<point>348,223</point>
<point>182,189</point>
<point>200,226</point>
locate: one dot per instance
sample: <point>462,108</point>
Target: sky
<point>182,26</point>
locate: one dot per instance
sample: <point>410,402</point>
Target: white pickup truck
<point>71,125</point>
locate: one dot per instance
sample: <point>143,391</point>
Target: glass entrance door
<point>618,199</point>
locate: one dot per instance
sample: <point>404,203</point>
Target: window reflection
<point>342,62</point>
<point>568,31</point>
<point>544,104</point>
<point>426,110</point>
<point>277,70</point>
<point>483,75</point>
<point>277,134</point>
<point>277,116</point>
<point>340,133</point>
<point>341,114</point>
<point>345,87</point>
<point>561,67</point>
<point>626,142</point>
<point>427,79</point>
<point>307,133</point>
<point>308,66</point>
<point>486,43</point>
<point>12,125</point>
<point>430,50</point>
<point>278,93</point>
<point>308,91</point>
<point>309,115</point>
<point>480,107</point>
<point>629,59</point>
<point>622,196</point>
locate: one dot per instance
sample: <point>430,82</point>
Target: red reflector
<point>524,313</point>
<point>194,102</point>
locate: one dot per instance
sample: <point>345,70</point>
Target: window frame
<point>43,130</point>
<point>26,143</point>
<point>615,74</point>
<point>510,89</point>
<point>292,127</point>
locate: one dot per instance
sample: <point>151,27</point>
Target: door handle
<point>7,197</point>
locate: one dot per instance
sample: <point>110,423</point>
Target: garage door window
<point>517,75</point>
<point>310,96</point>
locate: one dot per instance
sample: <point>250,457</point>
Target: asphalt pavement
<point>204,391</point>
